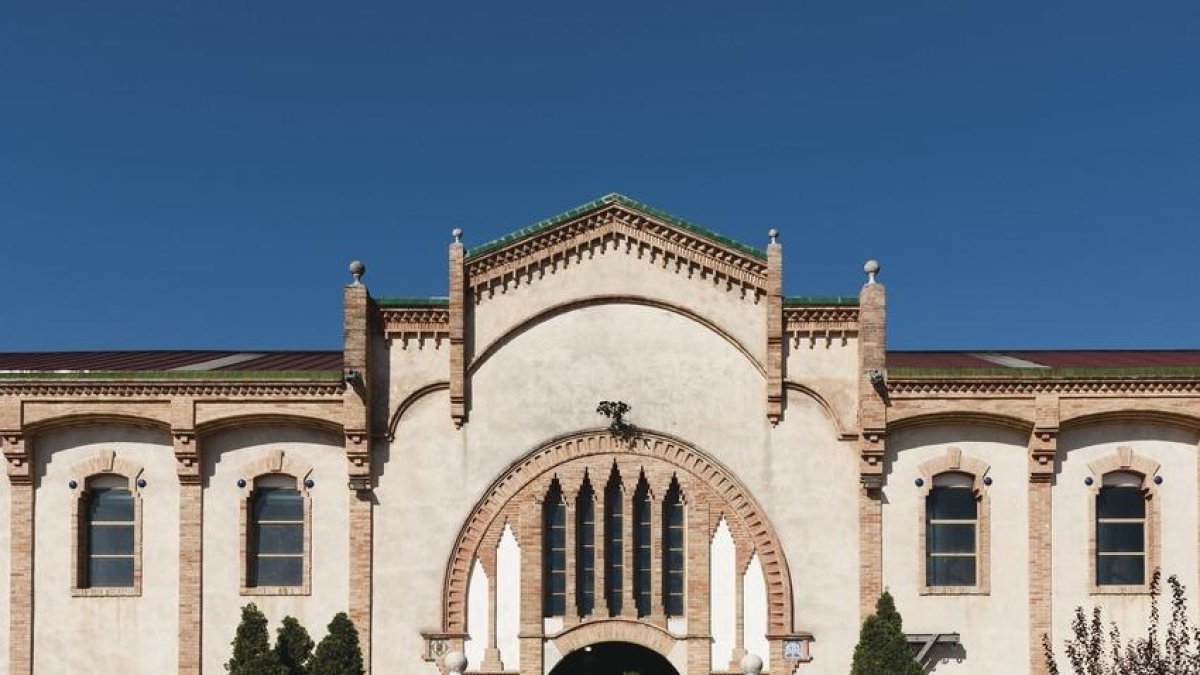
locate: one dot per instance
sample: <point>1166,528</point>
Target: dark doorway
<point>614,658</point>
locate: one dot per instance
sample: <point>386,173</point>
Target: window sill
<point>1129,589</point>
<point>955,590</point>
<point>108,592</point>
<point>276,590</point>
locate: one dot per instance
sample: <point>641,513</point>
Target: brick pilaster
<point>458,309</point>
<point>358,318</point>
<point>698,578</point>
<point>1043,447</point>
<point>775,360</point>
<point>872,428</point>
<point>191,550</point>
<point>19,457</point>
<point>531,585</point>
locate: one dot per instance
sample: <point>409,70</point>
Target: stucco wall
<point>96,634</point>
<point>993,628</point>
<point>680,378</point>
<point>1175,450</point>
<point>226,456</point>
<point>611,271</point>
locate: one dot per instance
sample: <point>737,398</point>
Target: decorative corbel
<point>1043,443</point>
<point>17,457</point>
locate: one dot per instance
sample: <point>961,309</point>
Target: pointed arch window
<point>554,552</point>
<point>614,543</point>
<point>643,506</point>
<point>674,558</point>
<point>585,549</point>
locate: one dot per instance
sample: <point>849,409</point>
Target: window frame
<point>953,462</point>
<point>105,463</point>
<point>249,492</point>
<point>1125,461</point>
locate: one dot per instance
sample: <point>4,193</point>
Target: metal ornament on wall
<point>616,411</point>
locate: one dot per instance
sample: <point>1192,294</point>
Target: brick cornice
<point>1117,387</point>
<point>411,322</point>
<point>168,389</point>
<point>797,320</point>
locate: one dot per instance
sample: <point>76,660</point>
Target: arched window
<point>554,552</point>
<point>1121,530</point>
<point>674,571</point>
<point>951,531</point>
<point>108,533</point>
<point>614,541</point>
<point>275,546</point>
<point>585,549</point>
<point>643,558</point>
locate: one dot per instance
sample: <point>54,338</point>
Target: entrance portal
<point>614,658</point>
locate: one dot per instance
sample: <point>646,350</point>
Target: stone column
<point>1043,447</point>
<point>740,562</point>
<point>571,607</point>
<point>487,557</point>
<point>189,469</point>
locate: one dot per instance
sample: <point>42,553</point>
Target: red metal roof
<point>1047,359</point>
<point>171,360</point>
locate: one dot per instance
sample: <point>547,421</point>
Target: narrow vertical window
<point>1121,531</point>
<point>642,553</point>
<point>276,549</point>
<point>673,551</point>
<point>585,549</point>
<point>951,523</point>
<point>108,533</point>
<point>554,552</point>
<point>614,541</point>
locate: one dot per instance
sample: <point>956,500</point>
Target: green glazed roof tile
<point>615,198</point>
<point>821,301</point>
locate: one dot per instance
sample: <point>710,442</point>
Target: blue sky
<point>198,174</point>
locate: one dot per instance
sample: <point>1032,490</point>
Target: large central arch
<point>737,505</point>
<point>609,657</point>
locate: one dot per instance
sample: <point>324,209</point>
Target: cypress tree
<point>252,654</point>
<point>294,647</point>
<point>882,648</point>
<point>338,653</point>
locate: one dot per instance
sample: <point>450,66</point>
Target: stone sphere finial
<point>455,662</point>
<point>871,268</point>
<point>773,235</point>
<point>751,665</point>
<point>457,234</point>
<point>357,270</point>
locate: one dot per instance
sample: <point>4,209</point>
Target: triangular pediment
<point>619,222</point>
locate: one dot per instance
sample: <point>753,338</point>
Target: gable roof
<point>614,198</point>
<point>621,222</point>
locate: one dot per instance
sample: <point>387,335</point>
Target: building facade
<point>615,443</point>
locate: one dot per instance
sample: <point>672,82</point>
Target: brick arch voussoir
<point>615,630</point>
<point>593,442</point>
